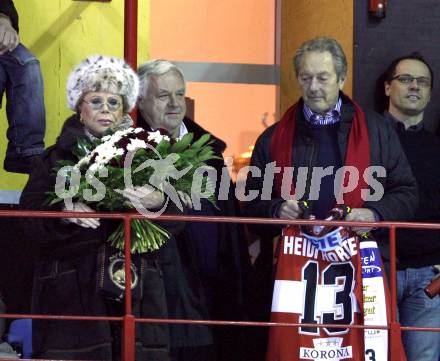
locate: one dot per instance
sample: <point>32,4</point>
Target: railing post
<point>393,274</point>
<point>130,38</point>
<point>128,345</point>
<point>127,255</point>
<point>395,330</point>
<point>395,339</point>
<point>130,32</point>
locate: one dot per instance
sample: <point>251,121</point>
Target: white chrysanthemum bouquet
<point>132,158</point>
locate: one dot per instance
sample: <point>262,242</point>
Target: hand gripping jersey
<point>316,287</point>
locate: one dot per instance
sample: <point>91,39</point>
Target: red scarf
<point>357,154</point>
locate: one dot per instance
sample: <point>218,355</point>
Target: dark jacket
<point>232,257</point>
<point>57,239</point>
<point>420,247</point>
<point>400,197</point>
<point>66,277</point>
<point>7,7</point>
<point>215,257</point>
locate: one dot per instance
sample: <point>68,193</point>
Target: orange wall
<point>243,31</point>
<point>233,112</point>
<point>227,31</point>
<point>302,20</point>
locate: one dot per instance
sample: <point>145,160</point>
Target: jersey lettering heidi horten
<point>316,287</point>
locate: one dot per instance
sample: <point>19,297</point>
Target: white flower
<point>136,144</point>
<point>105,154</point>
<point>138,130</point>
<point>157,137</point>
<point>94,167</point>
<point>83,160</point>
<point>116,136</point>
<point>107,150</point>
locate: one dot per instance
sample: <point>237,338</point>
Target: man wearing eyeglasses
<point>408,84</point>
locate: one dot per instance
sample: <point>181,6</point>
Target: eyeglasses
<point>422,81</point>
<point>97,103</point>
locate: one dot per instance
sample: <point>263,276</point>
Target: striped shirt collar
<point>331,117</point>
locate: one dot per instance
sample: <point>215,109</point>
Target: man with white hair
<point>214,255</point>
<point>162,97</point>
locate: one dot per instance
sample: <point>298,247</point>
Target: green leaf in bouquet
<point>182,163</point>
<point>205,150</point>
<point>205,154</point>
<point>115,175</point>
<point>141,175</point>
<point>184,185</point>
<point>83,147</point>
<point>52,199</point>
<point>163,148</point>
<point>143,153</point>
<point>202,141</point>
<point>189,153</point>
<point>182,144</point>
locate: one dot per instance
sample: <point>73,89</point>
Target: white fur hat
<point>103,73</point>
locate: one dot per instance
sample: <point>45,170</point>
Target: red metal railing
<point>130,37</point>
<point>130,32</point>
<point>128,320</point>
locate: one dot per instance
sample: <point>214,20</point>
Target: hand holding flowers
<point>134,168</point>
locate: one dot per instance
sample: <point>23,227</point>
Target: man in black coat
<point>214,255</point>
<point>300,157</point>
<point>408,82</point>
<point>324,119</point>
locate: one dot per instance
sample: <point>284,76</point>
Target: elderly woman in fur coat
<point>101,91</point>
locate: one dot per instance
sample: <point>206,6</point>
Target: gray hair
<point>322,44</point>
<point>154,67</point>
